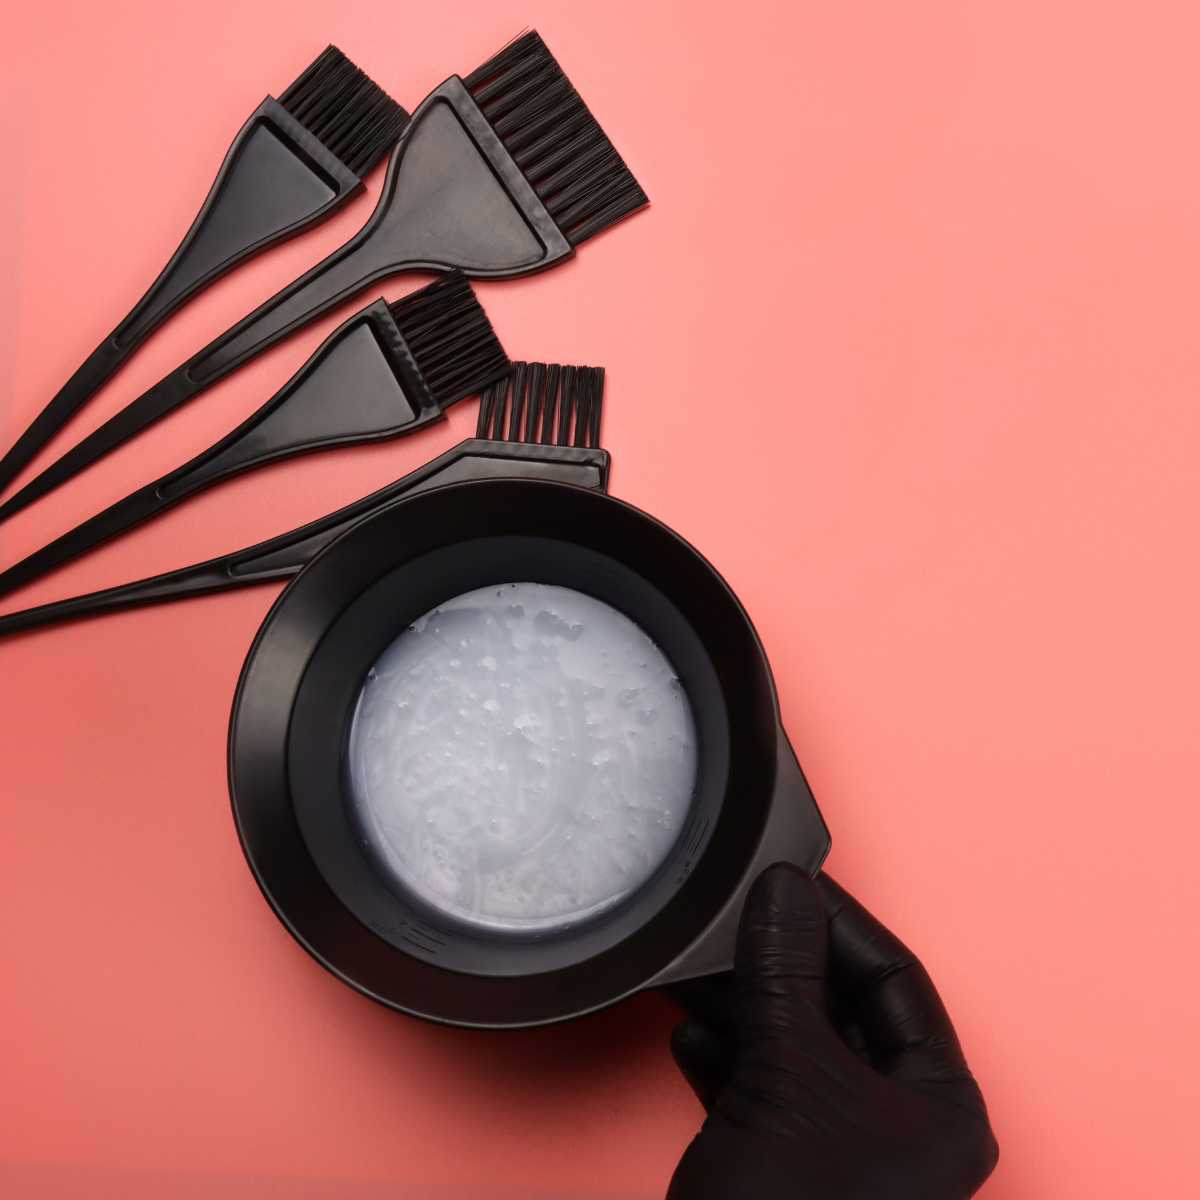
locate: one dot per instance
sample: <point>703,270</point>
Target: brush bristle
<point>353,116</point>
<point>559,146</point>
<point>544,403</point>
<point>450,338</point>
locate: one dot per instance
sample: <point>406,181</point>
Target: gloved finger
<point>874,975</point>
<point>704,1058</point>
<point>849,1030</point>
<point>710,999</point>
<point>782,950</point>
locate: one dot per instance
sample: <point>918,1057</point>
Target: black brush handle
<point>343,274</point>
<point>459,201</point>
<point>198,580</point>
<point>281,557</point>
<point>137,507</point>
<point>169,393</point>
<point>277,558</point>
<point>71,397</point>
<point>275,180</point>
<point>357,387</point>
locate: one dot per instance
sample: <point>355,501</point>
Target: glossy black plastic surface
<point>288,729</point>
<point>453,197</point>
<point>361,385</point>
<point>281,557</point>
<point>329,689</point>
<point>276,180</point>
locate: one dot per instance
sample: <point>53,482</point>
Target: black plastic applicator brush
<point>542,422</point>
<point>501,173</point>
<point>295,161</point>
<point>387,371</point>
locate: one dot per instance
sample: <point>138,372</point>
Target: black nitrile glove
<point>827,1063</point>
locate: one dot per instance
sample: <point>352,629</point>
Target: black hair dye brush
<point>542,422</point>
<point>501,173</point>
<point>295,161</point>
<point>387,371</point>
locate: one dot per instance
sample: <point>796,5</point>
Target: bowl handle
<point>795,832</point>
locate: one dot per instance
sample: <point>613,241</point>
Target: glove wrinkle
<point>828,1066</point>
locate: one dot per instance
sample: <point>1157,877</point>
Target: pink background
<point>907,345</point>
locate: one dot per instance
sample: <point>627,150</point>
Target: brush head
<point>352,115</point>
<point>559,146</point>
<point>450,338</point>
<point>546,404</point>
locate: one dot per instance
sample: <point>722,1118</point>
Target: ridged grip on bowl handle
<point>795,832</point>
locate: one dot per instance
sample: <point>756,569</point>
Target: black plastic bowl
<point>291,721</point>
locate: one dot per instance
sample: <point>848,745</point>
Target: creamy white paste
<point>522,757</point>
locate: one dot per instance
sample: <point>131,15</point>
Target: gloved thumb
<point>782,954</point>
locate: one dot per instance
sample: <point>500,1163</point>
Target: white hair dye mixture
<point>522,757</point>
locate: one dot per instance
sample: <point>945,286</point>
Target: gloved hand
<point>827,1063</point>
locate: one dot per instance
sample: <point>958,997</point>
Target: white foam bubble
<point>522,757</point>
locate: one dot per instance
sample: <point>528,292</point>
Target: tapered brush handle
<point>71,397</point>
<point>133,510</point>
<point>349,391</point>
<point>166,395</point>
<point>281,557</point>
<point>198,580</point>
<point>274,559</point>
<point>343,274</point>
<point>453,197</point>
<point>275,180</point>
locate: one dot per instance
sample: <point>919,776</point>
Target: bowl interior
<point>296,700</point>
